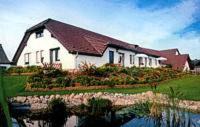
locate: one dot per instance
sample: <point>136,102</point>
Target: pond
<point>121,118</point>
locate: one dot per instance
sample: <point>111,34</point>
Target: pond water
<point>121,118</point>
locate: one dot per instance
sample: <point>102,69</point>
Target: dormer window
<point>39,34</point>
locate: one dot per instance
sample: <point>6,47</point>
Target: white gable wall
<point>46,43</point>
<point>186,67</point>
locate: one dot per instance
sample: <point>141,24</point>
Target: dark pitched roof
<point>149,51</point>
<point>170,51</point>
<point>3,57</point>
<point>75,39</point>
<point>177,61</point>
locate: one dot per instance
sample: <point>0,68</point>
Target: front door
<point>54,55</point>
<point>121,59</point>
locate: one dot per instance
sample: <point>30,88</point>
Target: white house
<point>4,62</point>
<point>56,43</point>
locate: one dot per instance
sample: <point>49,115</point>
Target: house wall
<point>186,67</point>
<point>46,43</point>
<point>99,61</point>
<point>154,64</point>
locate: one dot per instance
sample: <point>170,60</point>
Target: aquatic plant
<point>99,106</point>
<point>57,111</point>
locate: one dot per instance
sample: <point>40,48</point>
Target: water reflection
<point>121,118</point>
<point>188,120</point>
<point>2,118</point>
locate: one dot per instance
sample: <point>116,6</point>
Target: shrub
<point>53,73</point>
<point>64,81</point>
<point>35,78</point>
<point>110,83</point>
<point>86,80</point>
<point>87,68</point>
<point>46,81</point>
<point>130,80</point>
<point>99,106</point>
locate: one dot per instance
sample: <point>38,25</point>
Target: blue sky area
<point>157,24</point>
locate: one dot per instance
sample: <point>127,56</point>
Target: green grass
<point>188,85</point>
<point>3,101</point>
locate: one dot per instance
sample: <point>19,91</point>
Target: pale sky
<point>157,24</point>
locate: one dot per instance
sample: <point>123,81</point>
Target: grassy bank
<point>3,101</point>
<point>188,85</point>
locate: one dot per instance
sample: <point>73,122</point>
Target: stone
<point>52,97</point>
<point>71,96</point>
<point>57,96</point>
<point>41,97</point>
<point>77,96</point>
<point>21,99</point>
<point>46,97</point>
<point>40,102</point>
<point>85,101</point>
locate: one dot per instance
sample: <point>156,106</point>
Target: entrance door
<point>121,59</point>
<point>54,55</point>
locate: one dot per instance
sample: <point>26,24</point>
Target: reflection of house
<point>57,43</point>
<point>4,62</point>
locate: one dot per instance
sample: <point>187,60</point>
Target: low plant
<point>86,80</point>
<point>141,109</point>
<point>87,68</point>
<point>53,73</point>
<point>57,111</point>
<point>64,81</point>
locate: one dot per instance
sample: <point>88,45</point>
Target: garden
<point>108,75</point>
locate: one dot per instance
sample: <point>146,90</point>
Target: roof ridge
<point>40,24</point>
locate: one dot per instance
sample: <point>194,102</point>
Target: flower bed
<point>107,75</point>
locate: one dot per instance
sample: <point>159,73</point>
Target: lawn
<point>188,85</point>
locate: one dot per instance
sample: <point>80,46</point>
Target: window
<point>150,62</point>
<point>39,34</point>
<point>141,61</point>
<point>131,59</point>
<point>41,56</point>
<point>155,62</point>
<point>37,57</point>
<point>54,55</point>
<point>111,57</point>
<point>27,58</point>
<point>121,59</point>
<point>145,62</point>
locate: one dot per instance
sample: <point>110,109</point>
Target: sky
<point>156,24</point>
